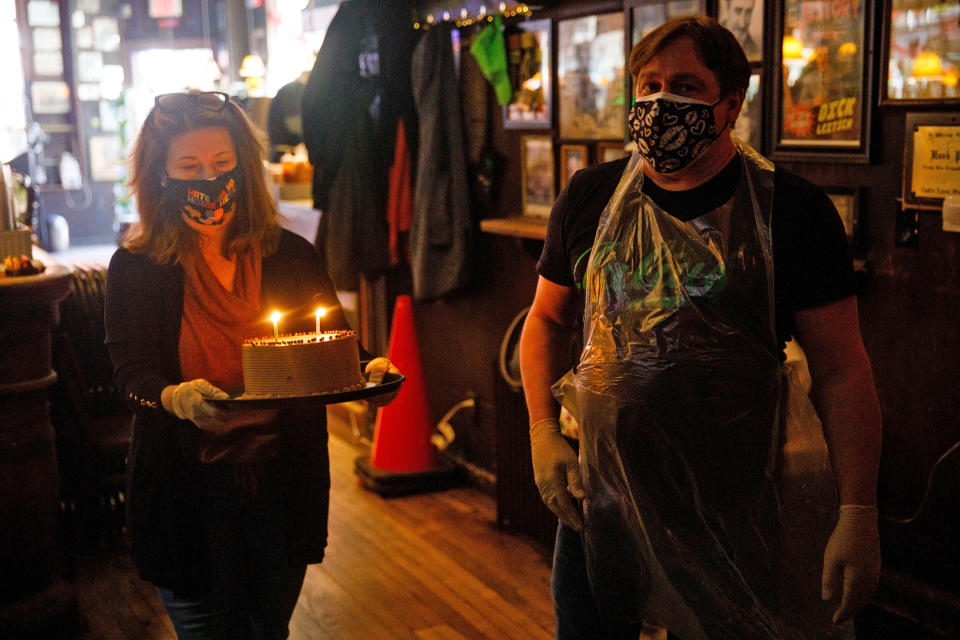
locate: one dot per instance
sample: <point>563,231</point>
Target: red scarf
<point>214,325</point>
<point>216,321</point>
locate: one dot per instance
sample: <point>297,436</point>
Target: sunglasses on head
<point>214,101</point>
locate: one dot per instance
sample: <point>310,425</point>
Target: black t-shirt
<point>811,258</point>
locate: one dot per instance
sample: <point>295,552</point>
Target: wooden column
<point>34,602</point>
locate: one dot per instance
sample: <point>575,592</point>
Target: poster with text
<point>822,89</point>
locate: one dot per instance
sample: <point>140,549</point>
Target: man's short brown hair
<point>716,48</point>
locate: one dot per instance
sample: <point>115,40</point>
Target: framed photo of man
<point>823,87</point>
<point>744,18</point>
<point>536,175</point>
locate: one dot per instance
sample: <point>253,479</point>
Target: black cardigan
<point>165,499</point>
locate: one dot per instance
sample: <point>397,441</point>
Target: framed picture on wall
<point>48,63</point>
<point>749,125</point>
<point>573,157</point>
<point>822,95</point>
<point>50,97</point>
<point>591,86</point>
<point>919,55</point>
<point>647,15</point>
<point>528,63</point>
<point>536,175</point>
<point>931,159</point>
<point>847,202</point>
<point>744,18</point>
<point>610,151</point>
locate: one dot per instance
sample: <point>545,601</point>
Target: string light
<point>465,19</point>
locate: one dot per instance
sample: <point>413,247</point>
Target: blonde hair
<point>161,232</point>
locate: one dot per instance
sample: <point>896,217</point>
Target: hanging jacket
<point>357,90</point>
<point>442,233</point>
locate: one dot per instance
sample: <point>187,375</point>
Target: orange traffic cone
<point>401,438</point>
<point>402,459</point>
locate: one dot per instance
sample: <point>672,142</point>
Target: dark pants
<point>574,609</point>
<point>254,591</point>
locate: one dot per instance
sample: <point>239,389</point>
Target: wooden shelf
<point>517,226</point>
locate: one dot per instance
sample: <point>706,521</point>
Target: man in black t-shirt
<point>812,266</point>
<point>691,70</point>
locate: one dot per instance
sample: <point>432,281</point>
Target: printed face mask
<point>672,131</point>
<point>205,201</point>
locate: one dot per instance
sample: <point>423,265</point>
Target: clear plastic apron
<point>702,514</point>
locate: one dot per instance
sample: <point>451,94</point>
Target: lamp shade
<point>847,49</point>
<point>927,64</point>
<point>252,66</point>
<point>792,48</point>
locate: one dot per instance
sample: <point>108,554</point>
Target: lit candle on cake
<point>319,313</point>
<point>275,316</point>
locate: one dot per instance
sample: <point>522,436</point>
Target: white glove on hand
<point>375,370</point>
<point>556,471</point>
<point>852,560</point>
<point>189,402</point>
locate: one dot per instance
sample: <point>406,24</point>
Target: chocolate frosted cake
<point>301,364</point>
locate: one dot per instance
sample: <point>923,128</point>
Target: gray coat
<point>442,230</point>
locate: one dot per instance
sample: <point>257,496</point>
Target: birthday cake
<point>302,364</point>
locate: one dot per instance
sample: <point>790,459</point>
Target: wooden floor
<point>429,567</point>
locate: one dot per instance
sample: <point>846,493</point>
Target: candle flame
<point>320,312</point>
<point>275,317</point>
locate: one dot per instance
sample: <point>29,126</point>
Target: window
<point>13,121</point>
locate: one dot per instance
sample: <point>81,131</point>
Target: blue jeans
<point>253,590</point>
<point>575,613</point>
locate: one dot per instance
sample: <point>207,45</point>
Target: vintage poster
<point>528,59</point>
<point>936,162</point>
<point>822,96</point>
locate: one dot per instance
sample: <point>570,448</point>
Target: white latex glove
<point>375,370</point>
<point>556,471</point>
<point>188,401</point>
<point>851,560</point>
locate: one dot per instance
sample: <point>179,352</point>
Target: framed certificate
<point>931,160</point>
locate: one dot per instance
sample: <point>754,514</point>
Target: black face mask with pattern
<point>205,201</point>
<point>672,131</point>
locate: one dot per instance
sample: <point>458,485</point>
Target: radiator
<point>519,507</point>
